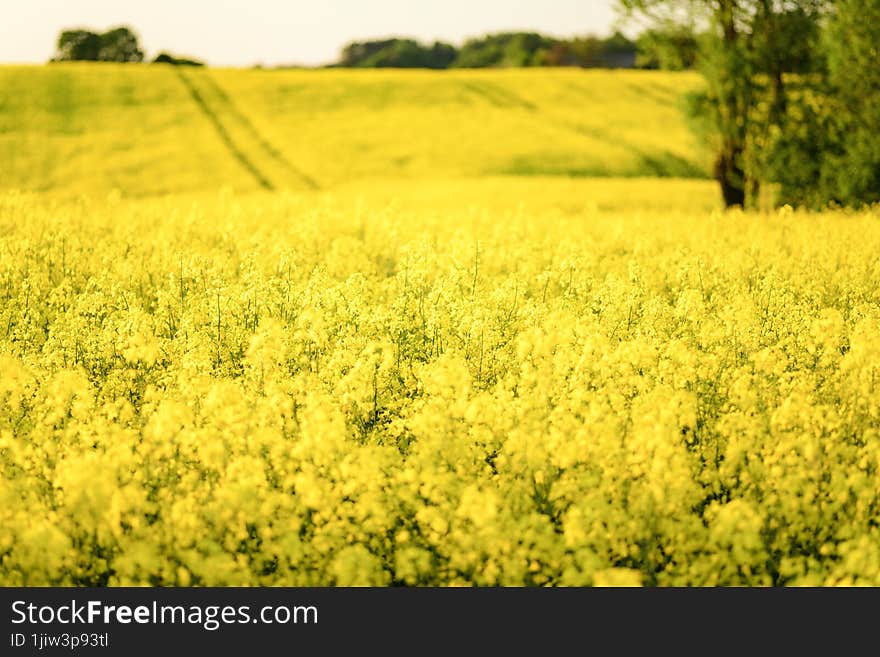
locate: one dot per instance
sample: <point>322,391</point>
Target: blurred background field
<point>74,129</point>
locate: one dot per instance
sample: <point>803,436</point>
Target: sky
<point>277,32</point>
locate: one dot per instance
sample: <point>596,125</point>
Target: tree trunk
<point>734,103</point>
<point>730,175</point>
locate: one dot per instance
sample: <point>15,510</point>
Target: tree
<point>119,44</point>
<point>673,49</point>
<point>442,55</point>
<point>397,53</point>
<point>747,47</point>
<point>509,49</point>
<point>619,52</point>
<point>167,58</point>
<point>78,45</point>
<point>853,171</point>
<point>530,49</point>
<point>505,49</point>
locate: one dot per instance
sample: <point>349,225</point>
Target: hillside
<point>144,130</point>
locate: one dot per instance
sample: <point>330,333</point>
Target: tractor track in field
<point>498,96</point>
<point>267,146</point>
<point>215,112</point>
<point>223,133</point>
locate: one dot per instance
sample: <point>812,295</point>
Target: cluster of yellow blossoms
<point>293,390</point>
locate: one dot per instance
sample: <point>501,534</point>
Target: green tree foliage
<point>820,141</point>
<point>747,48</point>
<point>853,172</point>
<point>397,53</point>
<point>591,52</point>
<point>671,49</point>
<point>167,58</point>
<point>510,49</point>
<point>531,49</point>
<point>119,44</point>
<point>506,49</point>
<point>78,45</point>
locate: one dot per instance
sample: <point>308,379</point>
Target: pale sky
<point>270,32</point>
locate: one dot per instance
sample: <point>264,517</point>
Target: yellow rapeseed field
<point>497,382</point>
<point>73,129</point>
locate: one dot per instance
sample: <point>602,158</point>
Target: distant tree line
<point>674,50</point>
<point>507,49</point>
<point>396,53</point>
<point>119,44</point>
